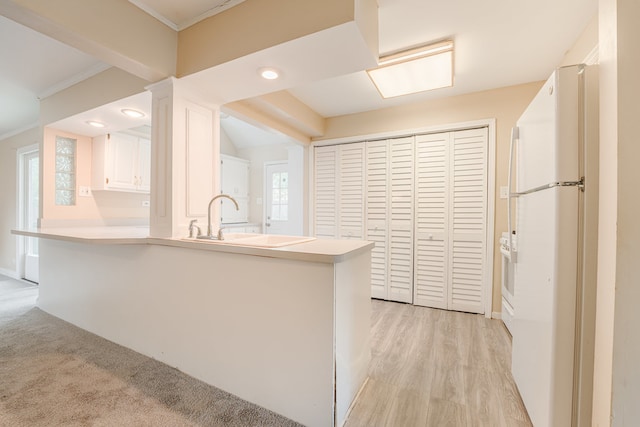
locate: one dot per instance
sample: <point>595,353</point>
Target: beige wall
<point>617,371</point>
<point>101,206</point>
<point>85,207</point>
<point>505,105</point>
<point>8,196</point>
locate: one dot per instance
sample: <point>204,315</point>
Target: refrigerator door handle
<point>579,184</point>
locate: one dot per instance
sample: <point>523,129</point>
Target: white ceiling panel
<point>34,66</point>
<point>182,14</point>
<point>497,43</point>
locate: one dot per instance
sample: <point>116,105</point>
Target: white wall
<point>258,156</point>
<point>8,196</point>
<point>226,144</point>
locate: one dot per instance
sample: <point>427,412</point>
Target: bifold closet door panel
<point>377,213</point>
<point>450,223</point>
<point>467,254</point>
<point>351,189</point>
<point>431,275</point>
<point>326,191</point>
<point>400,240</point>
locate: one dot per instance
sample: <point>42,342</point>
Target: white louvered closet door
<point>351,200</point>
<point>400,235</point>
<point>377,207</point>
<point>326,191</point>
<point>431,274</point>
<point>467,219</point>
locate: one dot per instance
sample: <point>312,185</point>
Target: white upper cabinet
<point>121,162</point>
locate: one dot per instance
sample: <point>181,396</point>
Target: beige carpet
<point>55,374</point>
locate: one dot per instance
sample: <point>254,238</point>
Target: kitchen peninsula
<point>286,328</point>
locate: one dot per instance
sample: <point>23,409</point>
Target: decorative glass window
<point>65,171</point>
<point>280,196</point>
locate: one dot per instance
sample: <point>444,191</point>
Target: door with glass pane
<point>28,194</point>
<point>277,198</point>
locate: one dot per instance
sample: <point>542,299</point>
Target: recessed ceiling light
<point>132,113</point>
<point>269,73</point>
<point>95,124</point>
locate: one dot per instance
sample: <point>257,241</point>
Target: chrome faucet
<point>192,227</point>
<point>209,228</point>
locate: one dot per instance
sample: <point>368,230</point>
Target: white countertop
<point>319,250</point>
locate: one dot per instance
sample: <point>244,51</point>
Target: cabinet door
<point>432,221</point>
<point>325,191</point>
<point>351,191</point>
<point>467,219</point>
<point>377,167</point>
<point>401,220</point>
<point>234,176</point>
<point>123,163</point>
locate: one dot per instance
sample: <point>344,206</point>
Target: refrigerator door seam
<point>515,134</point>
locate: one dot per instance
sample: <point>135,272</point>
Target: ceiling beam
<point>114,31</point>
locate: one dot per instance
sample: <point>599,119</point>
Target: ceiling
<point>182,14</point>
<point>497,43</point>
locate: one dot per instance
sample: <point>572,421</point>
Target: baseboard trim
<point>496,315</point>
<point>9,273</point>
<point>346,416</point>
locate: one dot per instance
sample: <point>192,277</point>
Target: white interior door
<point>28,206</point>
<point>277,212</point>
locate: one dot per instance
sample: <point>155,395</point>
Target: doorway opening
<point>28,211</point>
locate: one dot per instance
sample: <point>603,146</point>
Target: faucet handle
<point>192,225</point>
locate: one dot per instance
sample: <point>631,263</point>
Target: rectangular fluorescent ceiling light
<point>415,70</point>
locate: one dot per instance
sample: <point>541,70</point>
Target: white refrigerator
<point>554,160</point>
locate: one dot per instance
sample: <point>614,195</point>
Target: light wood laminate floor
<point>439,368</point>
